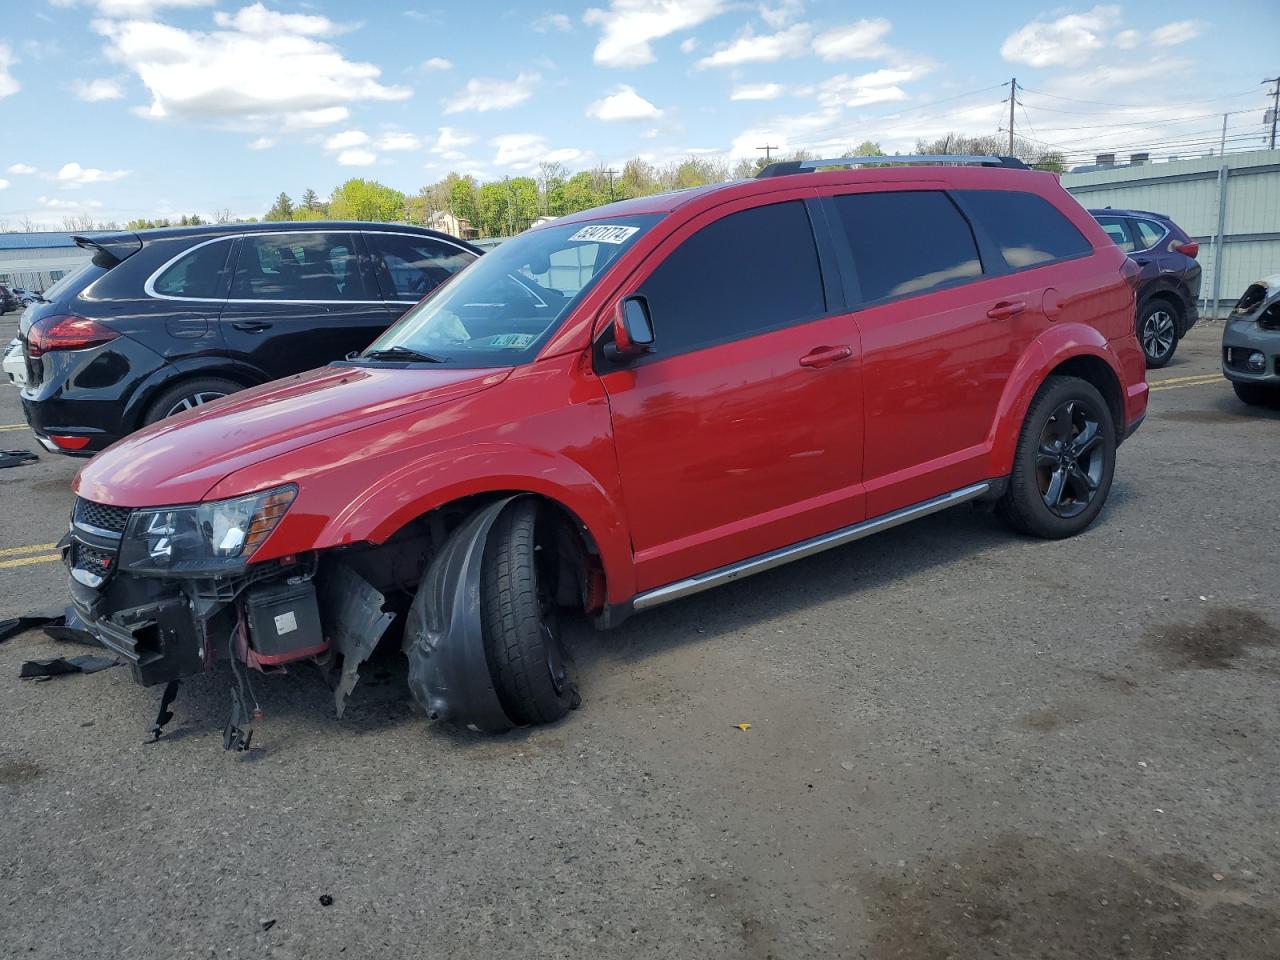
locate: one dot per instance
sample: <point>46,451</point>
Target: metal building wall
<point>1189,192</point>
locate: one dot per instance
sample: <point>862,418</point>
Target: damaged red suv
<point>621,408</point>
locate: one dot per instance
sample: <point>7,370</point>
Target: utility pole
<point>768,149</point>
<point>1275,108</point>
<point>610,173</point>
<point>1222,144</point>
<point>1013,100</point>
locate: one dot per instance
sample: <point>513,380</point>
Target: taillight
<point>65,442</point>
<point>66,333</point>
<point>1188,247</point>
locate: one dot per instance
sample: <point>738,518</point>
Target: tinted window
<point>200,273</point>
<point>747,272</point>
<point>300,266</point>
<point>411,267</point>
<point>1028,229</point>
<point>907,243</point>
<point>1117,229</point>
<point>1149,234</point>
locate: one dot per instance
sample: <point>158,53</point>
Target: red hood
<point>178,460</point>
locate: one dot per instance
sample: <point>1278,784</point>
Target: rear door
<point>301,299</point>
<point>742,431</point>
<point>408,266</point>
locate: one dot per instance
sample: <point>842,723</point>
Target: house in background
<point>446,222</point>
<point>36,261</point>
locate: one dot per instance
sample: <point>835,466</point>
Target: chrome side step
<point>805,548</point>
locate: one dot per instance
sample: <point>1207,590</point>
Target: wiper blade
<point>401,353</point>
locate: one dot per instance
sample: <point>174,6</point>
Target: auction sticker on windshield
<point>604,234</point>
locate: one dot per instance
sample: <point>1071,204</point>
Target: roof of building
<point>35,241</point>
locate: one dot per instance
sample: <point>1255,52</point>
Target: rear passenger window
<point>1028,229</point>
<point>1117,228</point>
<point>201,273</point>
<point>907,243</point>
<point>411,267</point>
<point>746,273</point>
<point>1149,234</point>
<point>299,266</point>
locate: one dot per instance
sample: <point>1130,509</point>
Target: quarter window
<point>907,243</point>
<point>201,274</point>
<point>300,266</point>
<point>745,273</point>
<point>1149,234</point>
<point>411,267</point>
<point>1028,229</point>
<point>1117,228</point>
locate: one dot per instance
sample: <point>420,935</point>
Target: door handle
<point>820,357</point>
<point>1006,309</point>
<point>251,326</point>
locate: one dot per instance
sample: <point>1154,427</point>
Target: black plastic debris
<point>29,621</point>
<point>59,666</point>
<point>267,924</point>
<point>165,714</point>
<point>15,458</point>
<point>326,900</point>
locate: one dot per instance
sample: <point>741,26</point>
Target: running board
<point>805,548</point>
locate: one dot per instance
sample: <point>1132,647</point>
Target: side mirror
<point>632,329</point>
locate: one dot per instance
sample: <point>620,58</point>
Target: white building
<point>35,261</point>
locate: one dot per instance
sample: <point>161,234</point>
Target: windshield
<point>499,310</point>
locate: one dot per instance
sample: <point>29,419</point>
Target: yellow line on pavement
<point>1194,376</point>
<point>24,561</point>
<point>1198,382</point>
<point>13,426</point>
<point>34,548</point>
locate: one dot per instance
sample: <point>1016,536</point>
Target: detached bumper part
<point>159,641</point>
<point>444,639</point>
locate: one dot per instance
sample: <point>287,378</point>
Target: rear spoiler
<point>109,249</point>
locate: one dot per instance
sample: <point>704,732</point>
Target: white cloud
<point>779,14</point>
<point>138,8</point>
<point>53,203</point>
<point>307,119</point>
<point>449,143</point>
<point>750,48</point>
<point>99,89</point>
<point>276,68</point>
<point>398,141</point>
<point>1069,39</point>
<point>879,86</point>
<point>552,21</point>
<point>357,158</point>
<point>482,94</point>
<point>524,151</point>
<point>437,63</point>
<point>623,104</point>
<point>688,44</point>
<point>257,19</point>
<point>757,91</point>
<point>21,168</point>
<point>8,84</point>
<point>262,143</point>
<point>1179,31</point>
<point>74,174</point>
<point>1128,39</point>
<point>628,27</point>
<point>4,184</point>
<point>854,41</point>
<point>347,138</point>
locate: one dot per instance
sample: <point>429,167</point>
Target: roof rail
<point>784,167</point>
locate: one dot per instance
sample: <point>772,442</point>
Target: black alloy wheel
<point>1069,461</point>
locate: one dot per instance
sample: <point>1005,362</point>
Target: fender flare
<point>1046,353</point>
<point>187,369</point>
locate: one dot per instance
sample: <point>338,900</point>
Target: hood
<point>180,459</point>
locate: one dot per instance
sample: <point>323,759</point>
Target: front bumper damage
<point>1253,328</point>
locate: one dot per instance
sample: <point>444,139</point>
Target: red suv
<point>620,408</point>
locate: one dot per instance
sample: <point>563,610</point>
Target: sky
<point>151,108</point>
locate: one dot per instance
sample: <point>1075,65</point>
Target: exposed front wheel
<point>530,664</point>
<point>1158,332</point>
<point>1064,462</point>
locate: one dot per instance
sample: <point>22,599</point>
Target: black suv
<point>161,321</point>
<point>8,300</point>
<point>1169,285</point>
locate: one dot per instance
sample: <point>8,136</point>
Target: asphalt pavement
<point>962,743</point>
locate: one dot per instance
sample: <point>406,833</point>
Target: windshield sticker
<point>517,340</point>
<point>604,234</point>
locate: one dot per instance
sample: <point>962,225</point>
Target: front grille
<point>101,515</point>
<point>92,560</point>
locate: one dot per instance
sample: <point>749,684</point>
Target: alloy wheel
<point>1158,334</point>
<point>193,401</point>
<point>1069,459</point>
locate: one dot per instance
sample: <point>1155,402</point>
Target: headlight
<point>203,539</point>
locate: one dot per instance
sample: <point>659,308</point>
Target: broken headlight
<point>202,539</point>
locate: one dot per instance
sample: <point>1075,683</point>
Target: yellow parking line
<point>1199,382</point>
<point>24,561</point>
<point>1194,376</point>
<point>13,426</point>
<point>34,548</point>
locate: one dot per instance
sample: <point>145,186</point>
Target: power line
<point>1103,103</point>
<point>1147,123</point>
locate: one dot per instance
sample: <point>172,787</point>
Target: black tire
<point>195,393</point>
<point>1257,394</point>
<point>1064,407</point>
<point>530,664</point>
<point>1159,321</point>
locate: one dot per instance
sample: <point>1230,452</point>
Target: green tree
<point>995,145</point>
<point>360,199</point>
<point>310,201</point>
<point>867,148</point>
<point>462,201</point>
<point>581,192</point>
<point>639,179</point>
<point>282,209</point>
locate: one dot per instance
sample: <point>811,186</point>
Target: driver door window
<point>410,267</point>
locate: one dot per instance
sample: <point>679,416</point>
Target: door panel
<point>301,300</point>
<point>728,445</point>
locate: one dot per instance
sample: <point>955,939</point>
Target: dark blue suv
<point>161,321</point>
<point>1169,285</point>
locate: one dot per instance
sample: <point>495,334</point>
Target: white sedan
<point>15,366</point>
